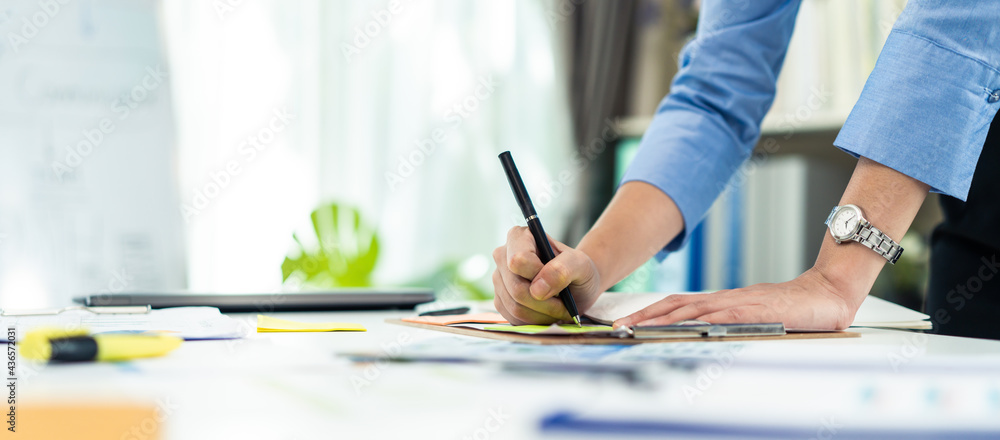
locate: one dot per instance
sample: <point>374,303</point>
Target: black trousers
<point>963,295</point>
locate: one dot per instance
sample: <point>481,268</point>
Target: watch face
<point>845,223</point>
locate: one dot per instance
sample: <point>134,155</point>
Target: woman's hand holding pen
<point>526,289</point>
<point>618,243</point>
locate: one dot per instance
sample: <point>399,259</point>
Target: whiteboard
<point>88,193</point>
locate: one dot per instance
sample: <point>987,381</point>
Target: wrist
<point>595,247</point>
<point>850,269</point>
<point>888,200</point>
<point>640,220</point>
<point>843,304</point>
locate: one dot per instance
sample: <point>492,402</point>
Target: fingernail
<point>539,289</point>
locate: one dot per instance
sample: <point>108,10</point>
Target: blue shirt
<point>924,111</point>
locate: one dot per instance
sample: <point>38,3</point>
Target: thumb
<point>570,267</point>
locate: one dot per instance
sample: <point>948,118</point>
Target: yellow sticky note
<point>266,324</point>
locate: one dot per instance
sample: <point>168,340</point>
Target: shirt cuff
<point>924,111</point>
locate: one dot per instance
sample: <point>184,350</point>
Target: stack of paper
<point>190,323</point>
<point>877,312</point>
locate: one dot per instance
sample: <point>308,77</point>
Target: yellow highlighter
<point>71,346</point>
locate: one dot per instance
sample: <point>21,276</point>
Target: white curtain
<point>400,109</point>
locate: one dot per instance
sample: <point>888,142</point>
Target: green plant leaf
<point>345,254</point>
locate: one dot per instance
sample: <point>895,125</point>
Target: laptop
<point>338,299</point>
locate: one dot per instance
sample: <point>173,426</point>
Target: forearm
<point>638,223</point>
<point>889,200</point>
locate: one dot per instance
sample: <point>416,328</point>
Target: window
<point>396,108</point>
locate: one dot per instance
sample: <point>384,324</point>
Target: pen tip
<point>576,319</point>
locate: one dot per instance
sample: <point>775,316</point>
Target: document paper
<point>874,312</point>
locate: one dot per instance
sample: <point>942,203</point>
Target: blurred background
<point>265,145</point>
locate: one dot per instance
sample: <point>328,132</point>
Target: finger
<point>570,267</point>
<point>557,246</point>
<point>517,287</point>
<point>712,303</point>
<point>522,255</point>
<point>500,257</point>
<point>660,308</point>
<point>515,313</point>
<point>754,313</point>
<point>517,291</point>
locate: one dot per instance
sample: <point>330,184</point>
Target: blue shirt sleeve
<point>926,108</point>
<point>709,123</point>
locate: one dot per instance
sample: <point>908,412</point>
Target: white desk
<point>295,386</point>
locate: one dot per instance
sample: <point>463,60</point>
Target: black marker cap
<point>74,349</point>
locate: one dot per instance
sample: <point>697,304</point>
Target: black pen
<point>446,312</point>
<point>535,225</point>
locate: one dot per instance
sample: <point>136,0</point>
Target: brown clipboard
<point>600,340</point>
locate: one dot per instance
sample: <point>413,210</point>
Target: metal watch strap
<point>877,241</point>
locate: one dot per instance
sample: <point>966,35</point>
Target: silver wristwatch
<point>847,223</point>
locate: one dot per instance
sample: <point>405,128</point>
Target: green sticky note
<point>554,329</point>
